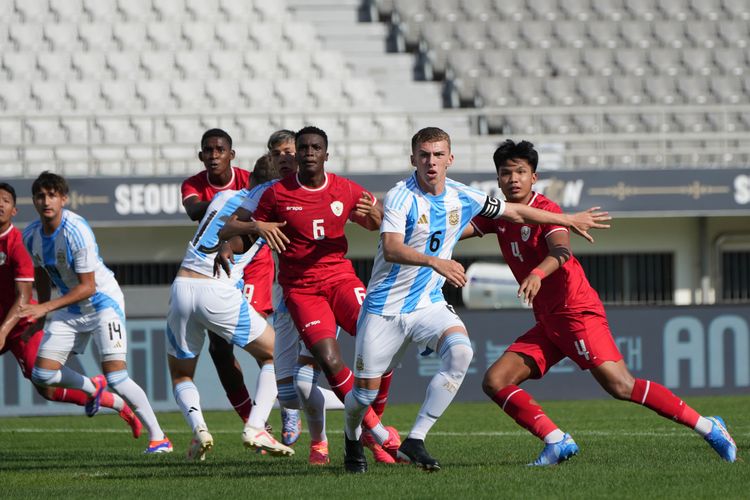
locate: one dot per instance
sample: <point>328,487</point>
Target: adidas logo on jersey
<point>423,219</point>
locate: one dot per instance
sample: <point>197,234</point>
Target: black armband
<point>492,209</point>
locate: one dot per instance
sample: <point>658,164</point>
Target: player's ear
<point>326,156</point>
<point>231,154</point>
<point>200,156</point>
<point>413,162</point>
<point>533,178</point>
<point>450,160</point>
<point>13,211</point>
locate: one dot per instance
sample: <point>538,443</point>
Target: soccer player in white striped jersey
<point>424,218</point>
<point>90,305</point>
<point>207,297</point>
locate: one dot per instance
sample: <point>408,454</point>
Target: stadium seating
<point>132,71</point>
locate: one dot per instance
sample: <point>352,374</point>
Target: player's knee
<point>365,397</point>
<point>457,354</point>
<point>496,380</point>
<point>44,377</point>
<point>305,378</point>
<point>116,377</point>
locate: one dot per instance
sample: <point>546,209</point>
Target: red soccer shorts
<point>318,309</point>
<point>24,351</point>
<point>583,337</point>
<point>258,279</point>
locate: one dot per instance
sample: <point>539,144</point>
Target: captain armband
<point>493,208</point>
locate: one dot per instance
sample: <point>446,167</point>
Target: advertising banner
<point>691,350</point>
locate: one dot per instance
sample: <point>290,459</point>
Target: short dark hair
<point>4,186</point>
<point>311,130</point>
<point>430,134</point>
<point>51,182</point>
<point>215,132</point>
<point>264,170</point>
<point>280,137</point>
<point>509,150</point>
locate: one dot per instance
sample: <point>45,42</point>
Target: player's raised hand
<point>224,259</point>
<point>529,288</point>
<point>453,271</point>
<point>365,204</point>
<point>274,236</point>
<point>593,218</point>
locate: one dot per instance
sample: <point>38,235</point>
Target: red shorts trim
<point>317,310</point>
<point>585,338</point>
<point>24,351</point>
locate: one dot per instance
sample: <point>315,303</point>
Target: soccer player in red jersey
<point>320,286</point>
<point>216,154</point>
<point>571,322</point>
<point>18,334</point>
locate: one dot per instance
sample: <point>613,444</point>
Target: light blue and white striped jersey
<point>202,249</point>
<point>69,251</point>
<point>432,225</point>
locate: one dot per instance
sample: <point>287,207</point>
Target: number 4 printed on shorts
<point>581,349</point>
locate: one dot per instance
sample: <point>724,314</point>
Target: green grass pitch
<point>626,452</point>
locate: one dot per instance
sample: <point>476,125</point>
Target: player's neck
<point>49,226</point>
<point>222,179</point>
<point>434,190</point>
<point>5,226</point>
<point>312,179</point>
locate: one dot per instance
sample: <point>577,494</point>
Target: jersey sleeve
<point>483,225</point>
<point>395,207</point>
<point>548,229</point>
<point>264,211</point>
<point>83,247</point>
<point>250,203</point>
<point>23,267</point>
<point>190,188</point>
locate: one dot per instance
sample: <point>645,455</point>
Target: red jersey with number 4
<point>315,220</point>
<point>524,247</point>
<point>199,185</point>
<point>15,265</point>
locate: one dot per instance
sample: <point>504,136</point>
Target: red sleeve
<point>547,229</point>
<point>484,225</point>
<point>265,209</point>
<point>23,267</point>
<point>190,187</point>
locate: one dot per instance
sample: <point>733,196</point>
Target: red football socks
<point>520,406</point>
<point>241,402</point>
<point>381,399</point>
<point>664,402</point>
<point>76,396</point>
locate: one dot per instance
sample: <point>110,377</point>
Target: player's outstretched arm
<point>580,222</point>
<point>85,288</point>
<point>23,295</point>
<point>394,250</point>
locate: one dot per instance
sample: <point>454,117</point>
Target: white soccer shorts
<point>67,332</point>
<point>382,340</point>
<point>197,304</point>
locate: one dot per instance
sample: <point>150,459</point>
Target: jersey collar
<point>325,184</point>
<point>231,181</point>
<point>7,231</point>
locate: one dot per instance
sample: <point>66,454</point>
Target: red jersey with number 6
<point>15,265</point>
<point>524,247</point>
<point>315,220</point>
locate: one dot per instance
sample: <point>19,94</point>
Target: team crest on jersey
<point>60,256</point>
<point>525,233</point>
<point>337,208</point>
<point>453,217</point>
<point>3,258</point>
